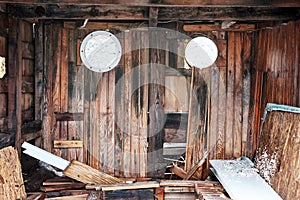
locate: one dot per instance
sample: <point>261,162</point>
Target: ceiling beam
<point>55,11</point>
<point>233,13</point>
<point>165,3</point>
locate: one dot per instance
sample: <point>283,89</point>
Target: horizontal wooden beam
<point>67,144</point>
<point>227,14</point>
<point>104,25</point>
<point>140,13</point>
<point>217,27</point>
<point>69,116</point>
<point>164,3</point>
<point>53,11</point>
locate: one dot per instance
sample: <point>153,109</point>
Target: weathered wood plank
<point>38,74</point>
<point>217,27</point>
<point>156,95</point>
<point>221,64</point>
<point>67,144</point>
<point>246,84</point>
<point>197,119</point>
<point>48,117</point>
<point>15,81</point>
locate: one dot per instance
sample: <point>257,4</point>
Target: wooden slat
<point>217,27</point>
<point>246,84</point>
<point>67,144</point>
<point>39,61</point>
<point>75,197</point>
<point>221,119</point>
<point>138,185</point>
<point>104,25</point>
<point>62,187</point>
<point>15,81</point>
<point>237,130</point>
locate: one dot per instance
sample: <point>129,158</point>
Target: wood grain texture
<point>280,141</point>
<point>12,185</point>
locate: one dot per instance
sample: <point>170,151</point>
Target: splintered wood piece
<point>86,174</point>
<point>11,181</point>
<point>195,168</point>
<point>67,144</point>
<point>133,186</point>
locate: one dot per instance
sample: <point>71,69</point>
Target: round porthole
<point>201,52</point>
<point>100,51</point>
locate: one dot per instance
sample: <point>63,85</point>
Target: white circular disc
<point>201,52</point>
<point>100,51</point>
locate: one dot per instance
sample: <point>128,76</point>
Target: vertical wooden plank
<point>15,81</point>
<point>119,112</point>
<point>290,69</point>
<point>296,95</point>
<point>221,64</point>
<point>127,107</point>
<point>246,84</point>
<point>237,123</point>
<point>230,96</point>
<point>39,33</point>
<point>143,144</point>
<point>111,122</point>
<point>135,104</point>
<point>156,110</point>
<point>64,79</point>
<point>197,131</point>
<point>75,96</point>
<point>48,117</point>
<point>214,103</point>
<point>55,63</point>
<point>101,134</point>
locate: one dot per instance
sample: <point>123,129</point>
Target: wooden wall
<point>111,117</point>
<point>276,72</point>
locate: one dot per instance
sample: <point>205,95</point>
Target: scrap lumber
<point>75,169</point>
<point>11,180</point>
<point>35,196</point>
<point>67,144</point>
<point>62,187</point>
<point>75,197</point>
<point>192,171</point>
<point>133,186</point>
<point>86,174</point>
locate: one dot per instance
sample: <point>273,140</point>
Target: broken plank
<point>86,174</point>
<point>133,186</point>
<point>67,144</point>
<point>195,168</point>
